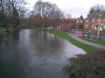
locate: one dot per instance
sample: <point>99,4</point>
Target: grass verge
<point>93,41</point>
<point>64,35</point>
<point>3,31</point>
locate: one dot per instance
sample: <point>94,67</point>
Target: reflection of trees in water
<point>45,38</point>
<point>10,61</point>
<point>15,35</point>
<point>45,44</point>
<point>23,57</point>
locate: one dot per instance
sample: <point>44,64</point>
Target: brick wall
<point>90,23</point>
<point>67,26</point>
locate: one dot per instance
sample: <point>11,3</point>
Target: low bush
<point>91,65</point>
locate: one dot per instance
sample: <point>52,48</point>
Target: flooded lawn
<point>29,53</point>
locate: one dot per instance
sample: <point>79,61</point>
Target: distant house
<point>95,21</point>
<point>67,26</point>
<point>79,21</point>
<point>70,25</point>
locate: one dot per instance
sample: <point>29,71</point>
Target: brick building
<point>66,26</point>
<point>70,24</point>
<point>79,22</point>
<point>95,21</point>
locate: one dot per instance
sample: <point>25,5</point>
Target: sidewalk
<point>73,35</point>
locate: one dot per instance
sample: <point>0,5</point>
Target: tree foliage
<point>81,17</point>
<point>91,11</point>
<point>81,25</point>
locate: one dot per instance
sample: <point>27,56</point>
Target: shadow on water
<point>30,53</point>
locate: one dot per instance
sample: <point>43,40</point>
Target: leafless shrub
<point>90,65</point>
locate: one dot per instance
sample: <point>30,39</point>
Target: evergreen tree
<point>81,17</point>
<point>91,11</point>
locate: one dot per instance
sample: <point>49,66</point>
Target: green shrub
<point>91,65</point>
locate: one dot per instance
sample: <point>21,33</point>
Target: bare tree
<point>68,16</point>
<point>96,8</point>
<point>99,7</point>
<point>34,20</point>
<point>12,11</point>
<point>48,13</point>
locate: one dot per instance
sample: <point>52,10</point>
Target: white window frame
<point>104,27</point>
<point>77,20</point>
<point>81,20</point>
<point>92,26</point>
<point>86,26</point>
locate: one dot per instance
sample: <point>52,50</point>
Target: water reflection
<point>34,54</point>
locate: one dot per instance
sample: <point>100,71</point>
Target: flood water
<point>29,53</point>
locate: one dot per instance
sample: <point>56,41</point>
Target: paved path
<point>73,35</point>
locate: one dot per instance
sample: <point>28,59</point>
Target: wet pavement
<point>75,36</point>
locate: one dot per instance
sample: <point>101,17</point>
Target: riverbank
<point>64,35</point>
<point>3,31</point>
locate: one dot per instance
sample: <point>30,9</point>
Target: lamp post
<point>99,25</point>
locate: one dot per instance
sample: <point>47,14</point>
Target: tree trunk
<point>55,29</point>
<point>7,30</point>
<point>44,27</point>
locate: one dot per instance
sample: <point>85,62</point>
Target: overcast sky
<point>73,7</point>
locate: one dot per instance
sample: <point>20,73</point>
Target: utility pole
<point>99,25</point>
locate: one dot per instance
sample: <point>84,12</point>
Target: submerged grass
<point>93,41</point>
<point>3,31</point>
<point>64,35</point>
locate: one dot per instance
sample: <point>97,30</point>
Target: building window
<point>77,20</point>
<point>86,26</point>
<point>104,27</point>
<point>86,20</point>
<point>92,26</point>
<point>93,20</point>
<point>104,19</point>
<point>81,20</point>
